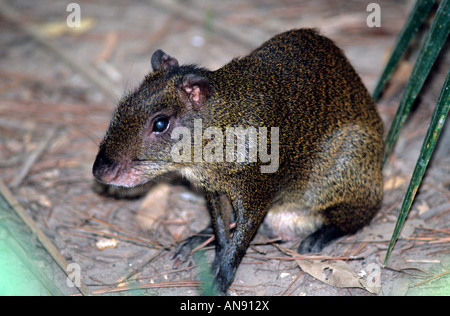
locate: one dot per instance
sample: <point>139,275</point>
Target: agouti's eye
<point>161,124</point>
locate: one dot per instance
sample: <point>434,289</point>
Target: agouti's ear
<point>195,90</point>
<point>162,61</point>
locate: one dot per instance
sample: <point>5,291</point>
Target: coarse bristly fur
<point>329,179</point>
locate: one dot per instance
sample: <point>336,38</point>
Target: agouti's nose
<point>104,169</point>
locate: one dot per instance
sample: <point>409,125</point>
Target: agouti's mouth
<point>123,174</point>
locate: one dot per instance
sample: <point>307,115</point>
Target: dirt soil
<point>59,87</point>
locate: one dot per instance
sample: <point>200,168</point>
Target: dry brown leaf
<point>339,274</point>
<point>154,206</point>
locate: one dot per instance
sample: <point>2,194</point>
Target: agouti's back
<point>298,72</point>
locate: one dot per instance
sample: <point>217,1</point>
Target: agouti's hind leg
<point>318,240</point>
<point>338,221</point>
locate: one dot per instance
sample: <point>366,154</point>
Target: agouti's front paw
<point>184,249</point>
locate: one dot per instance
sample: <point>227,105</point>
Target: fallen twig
<point>132,238</point>
<point>194,284</point>
<point>33,157</point>
<point>295,280</point>
<point>433,278</point>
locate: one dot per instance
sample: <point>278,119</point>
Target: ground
<point>59,86</point>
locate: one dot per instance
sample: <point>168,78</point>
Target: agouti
<point>307,106</point>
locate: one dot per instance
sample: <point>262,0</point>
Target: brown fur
<point>331,141</point>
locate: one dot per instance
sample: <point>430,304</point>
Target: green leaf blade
<point>434,130</point>
<point>414,21</point>
<point>434,42</point>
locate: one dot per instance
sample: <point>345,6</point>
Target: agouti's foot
<point>315,242</point>
<point>184,249</point>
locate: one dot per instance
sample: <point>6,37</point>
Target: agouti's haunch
<point>326,181</point>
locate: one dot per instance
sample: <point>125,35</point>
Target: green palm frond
<point>430,50</point>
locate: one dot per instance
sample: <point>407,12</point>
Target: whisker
<point>125,83</point>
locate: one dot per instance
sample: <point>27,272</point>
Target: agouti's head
<point>137,146</point>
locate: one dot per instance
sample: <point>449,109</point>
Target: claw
<point>176,264</point>
<point>185,248</point>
